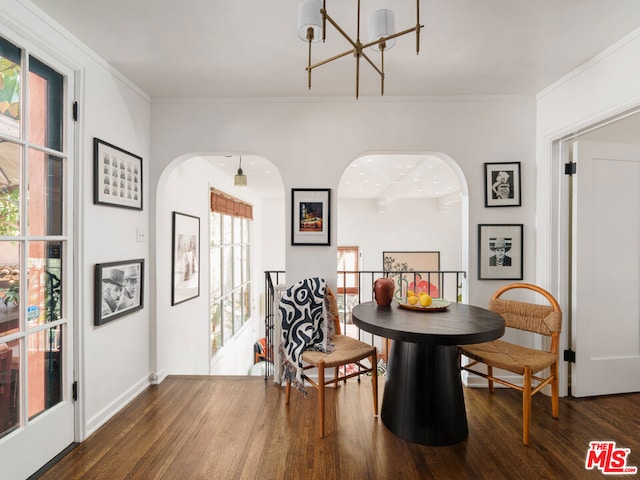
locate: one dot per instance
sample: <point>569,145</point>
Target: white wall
<point>114,358</point>
<point>406,226</point>
<point>312,142</point>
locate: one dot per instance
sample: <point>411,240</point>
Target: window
<point>230,252</point>
<point>348,262</point>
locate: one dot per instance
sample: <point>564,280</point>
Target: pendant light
<point>240,180</point>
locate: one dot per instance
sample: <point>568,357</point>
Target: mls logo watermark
<point>609,459</point>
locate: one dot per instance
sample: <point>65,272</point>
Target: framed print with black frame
<point>117,176</point>
<point>119,289</point>
<point>500,252</point>
<point>185,264</point>
<point>502,184</point>
<point>310,216</point>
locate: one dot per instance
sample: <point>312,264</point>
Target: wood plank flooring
<point>240,428</point>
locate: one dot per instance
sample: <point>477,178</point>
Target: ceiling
<point>250,48</point>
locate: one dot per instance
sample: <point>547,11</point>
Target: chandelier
<point>312,27</point>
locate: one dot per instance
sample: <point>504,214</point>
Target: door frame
<point>73,135</point>
<point>553,253</point>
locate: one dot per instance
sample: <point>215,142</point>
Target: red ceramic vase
<point>383,291</point>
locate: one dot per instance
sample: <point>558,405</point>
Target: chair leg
<point>490,377</point>
<point>526,405</point>
<point>555,410</point>
<point>374,381</point>
<point>321,397</point>
<point>287,392</point>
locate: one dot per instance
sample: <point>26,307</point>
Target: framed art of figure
<point>421,263</point>
<point>310,216</point>
<point>119,289</point>
<point>185,265</point>
<point>500,252</point>
<point>117,176</point>
<point>502,184</point>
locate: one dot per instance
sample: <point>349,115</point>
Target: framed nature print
<point>185,265</point>
<point>117,176</point>
<point>502,184</point>
<point>310,216</point>
<point>119,289</point>
<point>500,250</point>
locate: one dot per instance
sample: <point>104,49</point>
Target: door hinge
<point>570,168</point>
<point>74,388</point>
<point>570,356</point>
<point>75,111</point>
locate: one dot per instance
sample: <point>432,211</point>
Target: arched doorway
<point>182,334</point>
<point>405,202</point>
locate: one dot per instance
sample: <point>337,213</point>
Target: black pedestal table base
<point>423,400</point>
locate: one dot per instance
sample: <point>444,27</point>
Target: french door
<point>36,338</point>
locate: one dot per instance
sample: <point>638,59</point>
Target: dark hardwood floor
<point>240,428</point>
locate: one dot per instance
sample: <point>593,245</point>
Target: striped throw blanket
<point>304,327</point>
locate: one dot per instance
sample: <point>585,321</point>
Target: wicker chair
<point>528,362</point>
<point>347,351</point>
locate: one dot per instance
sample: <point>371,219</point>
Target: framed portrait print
<point>500,252</point>
<point>502,184</point>
<point>185,264</point>
<point>117,176</point>
<point>119,289</point>
<point>310,216</point>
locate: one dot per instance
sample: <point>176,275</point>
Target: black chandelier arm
<point>309,66</point>
<point>382,74</point>
<point>324,20</point>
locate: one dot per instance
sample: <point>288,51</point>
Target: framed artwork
<point>117,176</point>
<point>500,252</point>
<point>185,264</point>
<point>119,289</point>
<point>502,184</point>
<point>310,216</point>
<point>419,262</point>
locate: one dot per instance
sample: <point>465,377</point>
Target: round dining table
<point>423,400</point>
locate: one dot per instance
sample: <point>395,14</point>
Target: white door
<point>36,262</point>
<point>606,269</point>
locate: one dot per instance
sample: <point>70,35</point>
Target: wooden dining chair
<point>347,351</point>
<point>545,320</point>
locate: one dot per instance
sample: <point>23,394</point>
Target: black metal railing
<point>355,287</point>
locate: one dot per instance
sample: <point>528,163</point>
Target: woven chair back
<point>541,319</point>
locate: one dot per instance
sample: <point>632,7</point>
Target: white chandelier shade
<point>309,16</point>
<point>382,24</point>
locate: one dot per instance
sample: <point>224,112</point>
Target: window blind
<point>224,203</point>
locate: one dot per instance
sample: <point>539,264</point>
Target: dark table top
<point>459,324</point>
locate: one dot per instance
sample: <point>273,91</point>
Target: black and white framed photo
<point>185,265</point>
<point>119,289</point>
<point>502,184</point>
<point>500,252</point>
<point>310,216</point>
<point>117,176</point>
